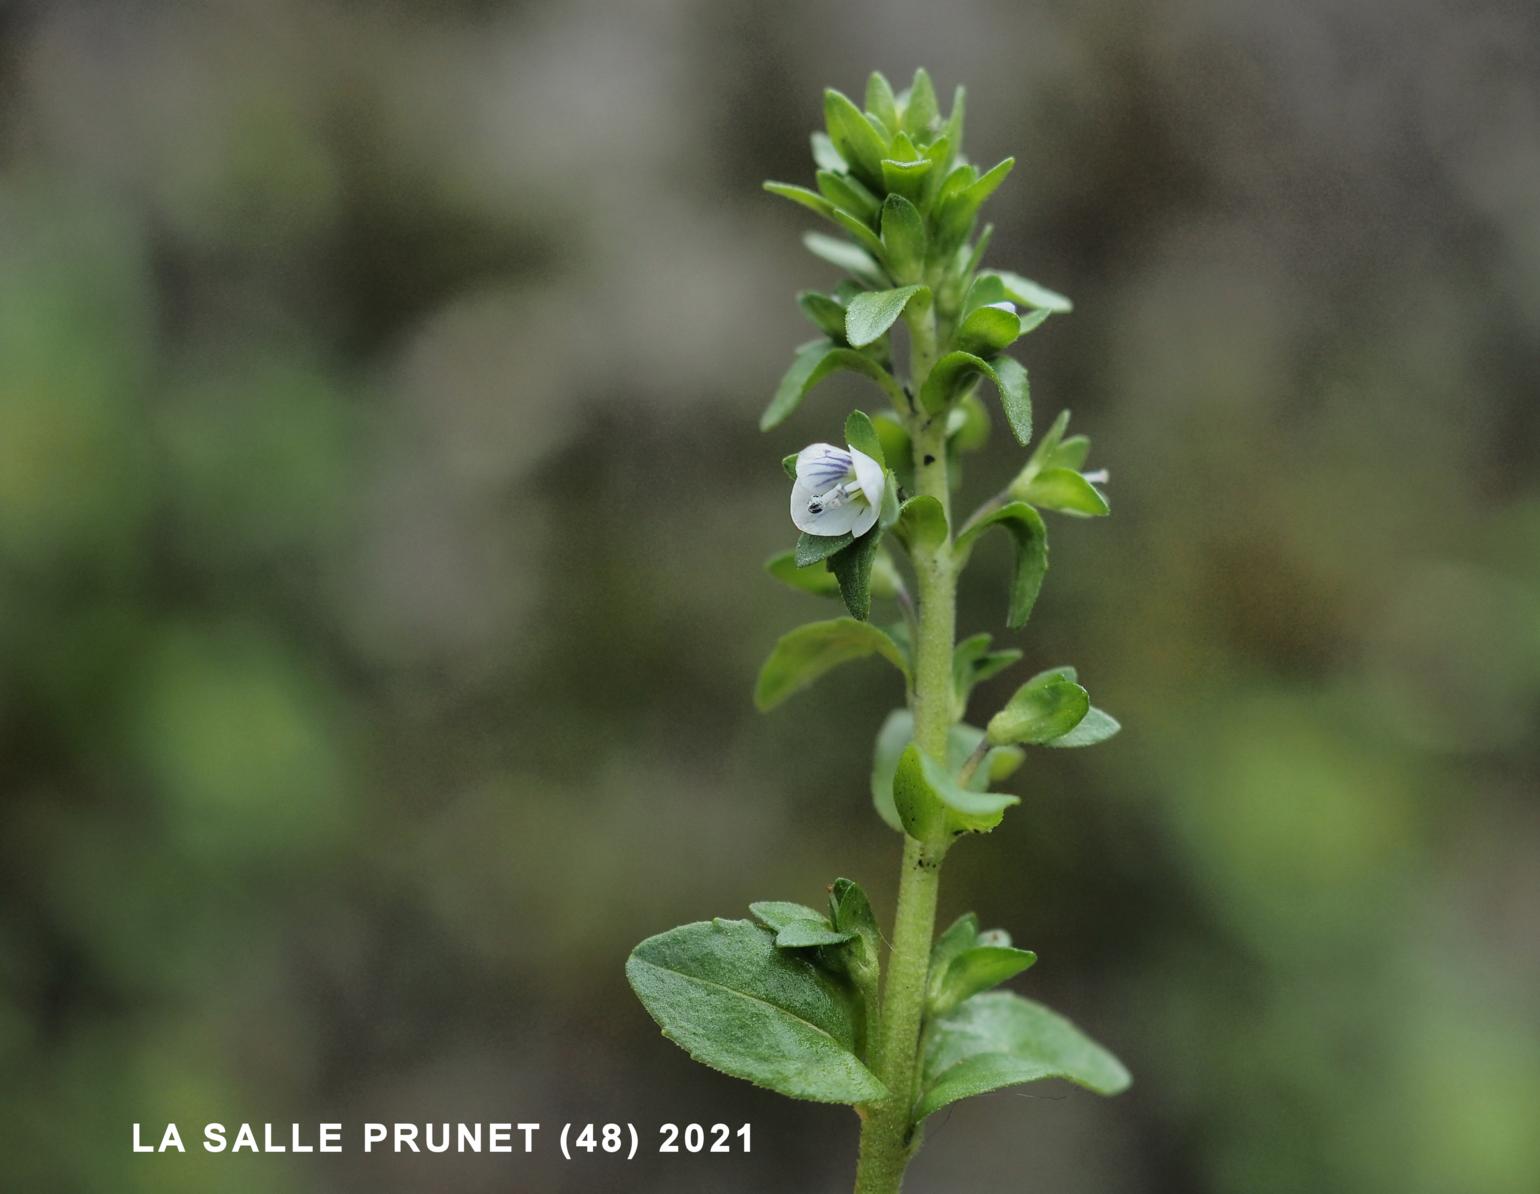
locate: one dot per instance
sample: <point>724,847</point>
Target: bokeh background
<point>381,520</point>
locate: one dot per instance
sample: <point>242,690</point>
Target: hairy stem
<point>887,1137</point>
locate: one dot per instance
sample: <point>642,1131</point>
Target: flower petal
<point>864,521</point>
<point>822,466</point>
<point>870,476</point>
<point>831,520</point>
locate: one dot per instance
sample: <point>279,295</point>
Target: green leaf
<point>871,314</point>
<point>897,733</point>
<point>811,200</point>
<point>733,1001</point>
<point>860,434</point>
<point>852,568</point>
<point>789,464</point>
<point>1065,490</point>
<point>907,178</point>
<point>825,156</point>
<point>973,663</point>
<point>880,101</point>
<point>1070,454</point>
<point>986,289</point>
<point>853,259</point>
<point>987,330</point>
<point>1095,727</point>
<point>805,934</point>
<point>1033,320</point>
<point>806,653</point>
<point>921,114</point>
<point>975,969</point>
<point>903,239</point>
<point>827,314</point>
<point>820,581</point>
<point>962,934</point>
<point>814,361</point>
<point>959,203</point>
<point>847,194</point>
<point>1000,1039</point>
<point>967,424</point>
<point>1026,293</point>
<point>814,549</point>
<point>775,915</point>
<point>954,373</point>
<point>934,807</point>
<point>858,142</point>
<point>851,912</point>
<point>921,522</point>
<point>1044,708</point>
<point>1025,526</point>
<point>954,124</point>
<point>1015,397</point>
<point>858,230</point>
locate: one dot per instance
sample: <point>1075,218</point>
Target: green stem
<point>887,1135</point>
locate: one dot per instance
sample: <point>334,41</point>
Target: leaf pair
<point>783,1003</point>
<point>1051,709</point>
<point>1051,480</point>
<point>735,1001</point>
<point>894,738</point>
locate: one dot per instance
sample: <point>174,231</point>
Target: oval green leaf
<point>725,994</point>
<point>806,653</point>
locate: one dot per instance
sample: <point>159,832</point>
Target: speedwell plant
<point>801,1000</point>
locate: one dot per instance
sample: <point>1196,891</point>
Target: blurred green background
<point>381,520</point>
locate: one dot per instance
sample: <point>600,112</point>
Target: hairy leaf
<point>733,1001</point>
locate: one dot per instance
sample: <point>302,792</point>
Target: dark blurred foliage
<point>380,526</point>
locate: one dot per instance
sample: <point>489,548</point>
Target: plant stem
<point>887,1137</point>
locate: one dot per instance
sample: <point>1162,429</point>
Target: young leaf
<point>880,101</point>
<point>852,568</point>
<point>847,194</point>
<point>1025,526</point>
<point>962,934</point>
<point>1015,397</point>
<point>973,663</point>
<point>1064,490</point>
<point>825,156</point>
<point>1026,293</point>
<point>954,373</point>
<point>775,915</point>
<point>921,114</point>
<point>967,424</point>
<point>853,135</point>
<point>734,1002</point>
<point>805,934</point>
<point>1000,1039</point>
<point>1044,708</point>
<point>815,361</point>
<point>1095,727</point>
<point>934,807</point>
<point>986,289</point>
<point>858,230</point>
<point>987,330</point>
<point>853,259</point>
<point>962,740</point>
<point>903,239</point>
<point>959,205</point>
<point>827,314</point>
<point>811,200</point>
<point>861,435</point>
<point>921,522</point>
<point>973,970</point>
<point>851,912</point>
<point>806,653</point>
<point>871,314</point>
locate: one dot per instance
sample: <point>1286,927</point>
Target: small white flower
<point>837,490</point>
